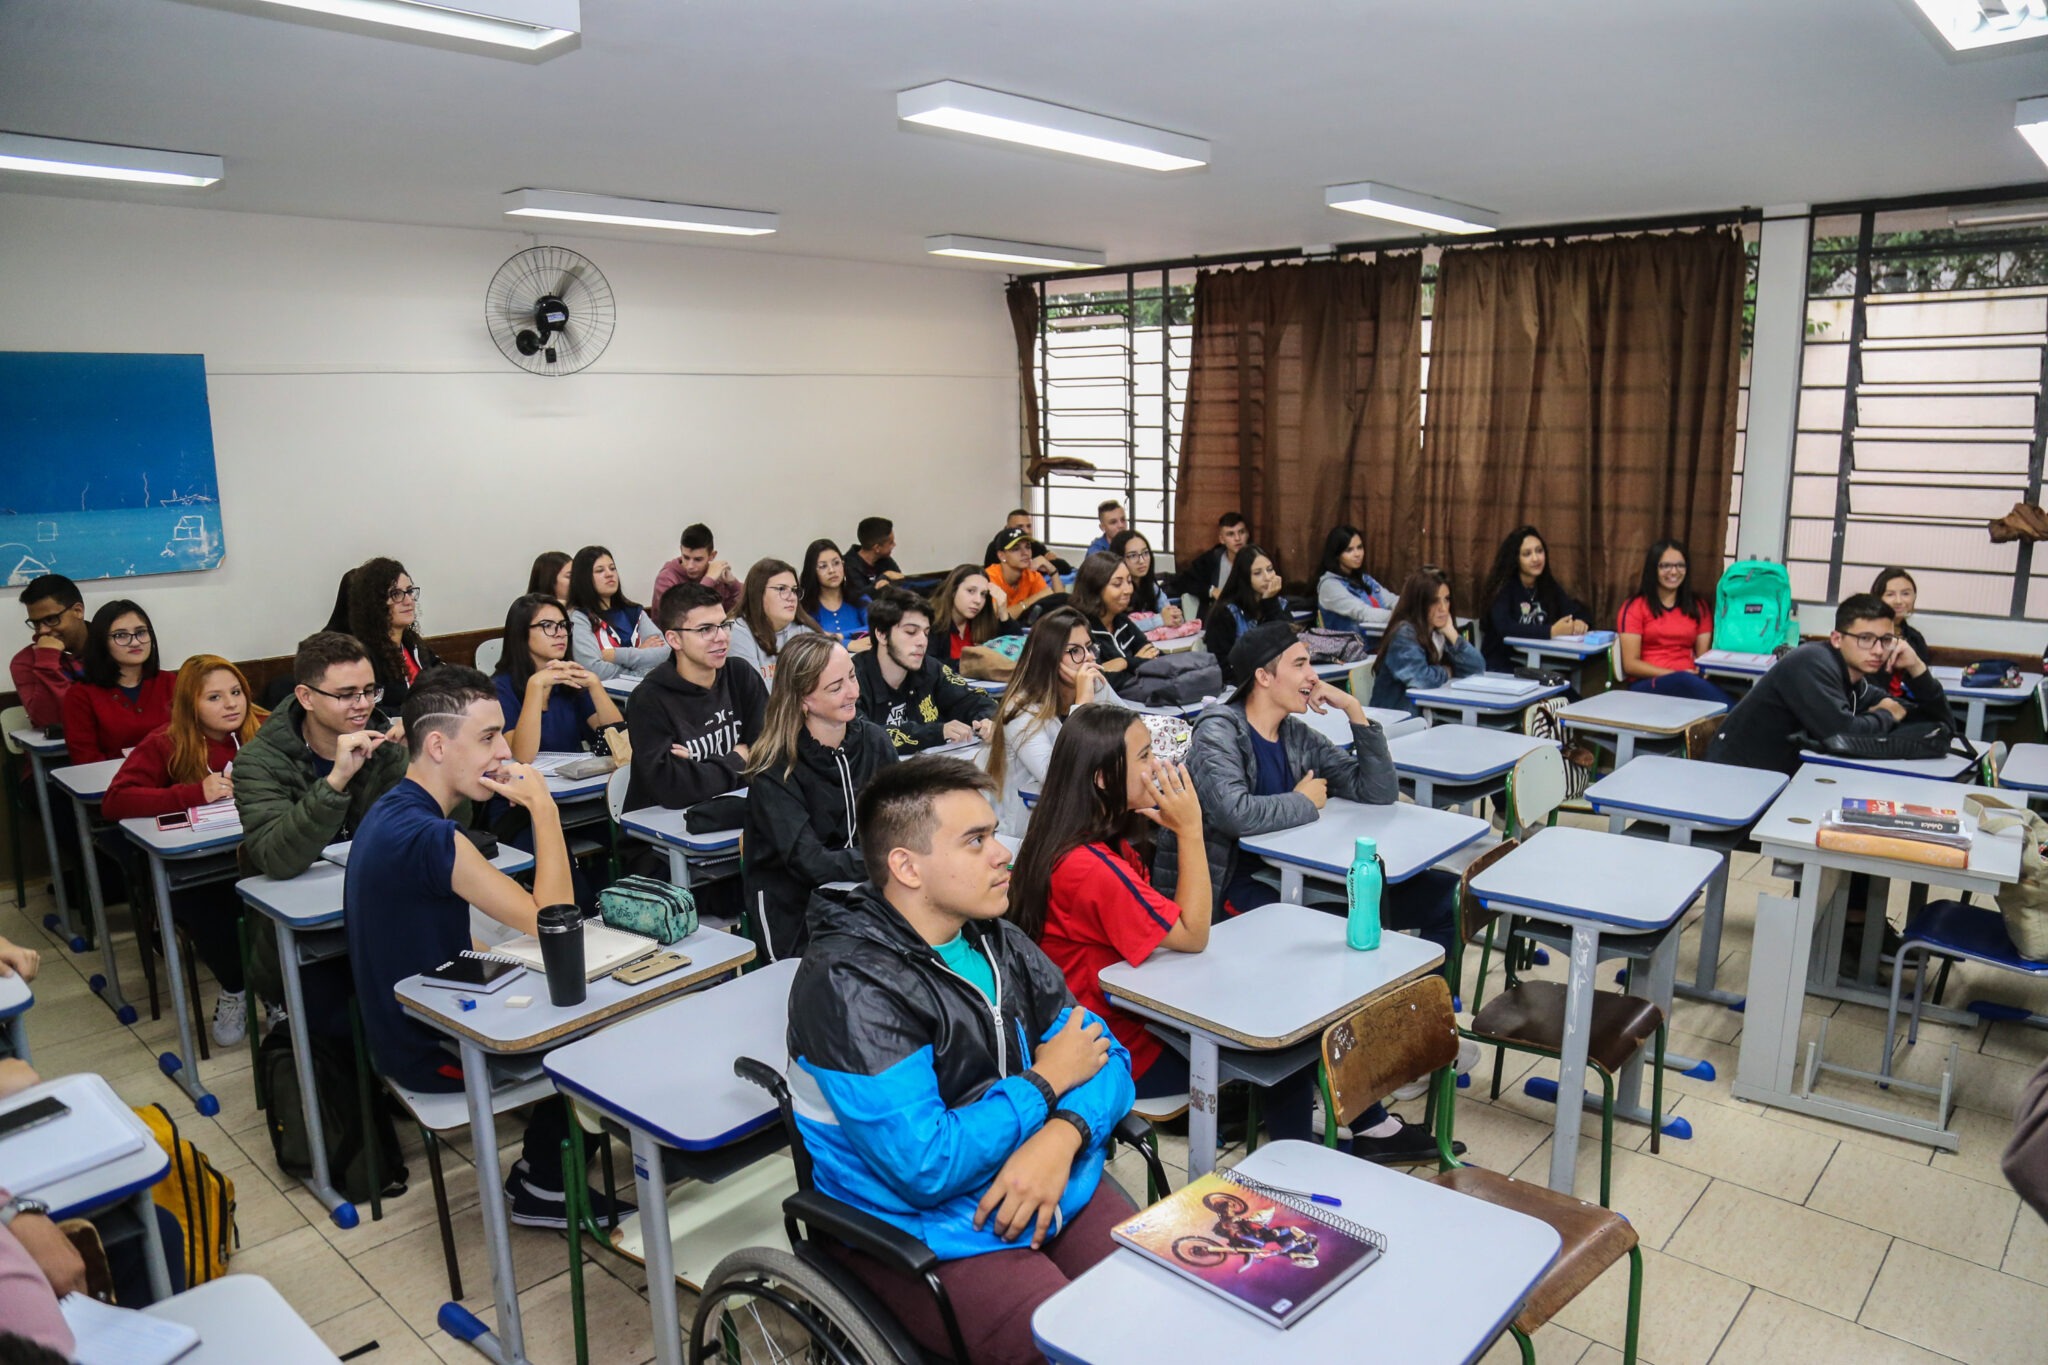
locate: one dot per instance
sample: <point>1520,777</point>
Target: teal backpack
<point>1753,608</point>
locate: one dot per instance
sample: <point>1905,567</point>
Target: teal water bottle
<point>1364,883</point>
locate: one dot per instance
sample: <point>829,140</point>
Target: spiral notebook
<point>477,973</point>
<point>1272,1252</point>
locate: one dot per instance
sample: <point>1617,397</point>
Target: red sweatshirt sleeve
<point>82,728</point>
<point>143,786</point>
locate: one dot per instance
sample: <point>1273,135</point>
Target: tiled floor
<point>1771,1237</point>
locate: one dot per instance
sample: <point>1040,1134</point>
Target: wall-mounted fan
<point>550,310</point>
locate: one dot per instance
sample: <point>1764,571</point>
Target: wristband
<point>1080,1124</point>
<point>1045,1090</point>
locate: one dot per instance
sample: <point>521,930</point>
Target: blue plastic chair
<point>1964,933</point>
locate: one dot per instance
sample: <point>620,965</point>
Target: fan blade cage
<point>519,286</point>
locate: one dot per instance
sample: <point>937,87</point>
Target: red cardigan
<point>143,786</point>
<point>101,723</point>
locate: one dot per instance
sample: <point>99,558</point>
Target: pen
<point>1330,1199</point>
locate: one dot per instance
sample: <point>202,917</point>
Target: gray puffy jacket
<point>1224,768</point>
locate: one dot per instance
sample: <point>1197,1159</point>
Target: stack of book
<point>1933,835</point>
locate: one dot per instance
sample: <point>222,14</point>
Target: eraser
<point>465,1002</point>
<point>518,1002</point>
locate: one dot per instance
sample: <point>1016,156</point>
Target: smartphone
<point>647,968</point>
<point>34,1114</point>
<point>177,819</point>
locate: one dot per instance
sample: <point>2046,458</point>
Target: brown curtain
<point>1023,300</point>
<point>1304,404</point>
<point>1588,389</point>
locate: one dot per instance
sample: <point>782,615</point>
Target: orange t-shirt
<point>1029,586</point>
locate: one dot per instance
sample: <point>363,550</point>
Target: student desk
<point>693,1102</point>
<point>1588,881</point>
<point>1271,978</point>
<point>1332,724</point>
<point>1948,768</point>
<point>1726,666</point>
<point>16,1000</point>
<point>1179,645</point>
<point>307,910</point>
<point>666,830</point>
<point>1478,706</point>
<point>1574,650</point>
<point>621,687</point>
<point>1689,799</point>
<point>495,1029</point>
<point>1411,838</point>
<point>1784,966</point>
<point>1628,717</point>
<point>1976,702</point>
<point>243,1320</point>
<point>2026,770</point>
<point>989,685</point>
<point>43,755</point>
<point>1126,1308</point>
<point>85,784</point>
<point>126,1180</point>
<point>200,856</point>
<point>1472,763</point>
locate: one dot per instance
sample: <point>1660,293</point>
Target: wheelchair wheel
<point>761,1305</point>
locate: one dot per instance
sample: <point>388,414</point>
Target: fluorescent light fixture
<point>1999,215</point>
<point>1012,118</point>
<point>1014,253</point>
<point>2032,121</point>
<point>651,213</point>
<point>1967,24</point>
<point>1405,206</point>
<point>104,161</point>
<point>529,25</point>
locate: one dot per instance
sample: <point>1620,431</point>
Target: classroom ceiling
<point>1563,111</point>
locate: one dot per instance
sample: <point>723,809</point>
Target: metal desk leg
<point>1425,792</point>
<point>321,1183</point>
<point>17,1038</point>
<point>1202,1068</point>
<point>1290,883</point>
<point>1624,747</point>
<point>61,920</point>
<point>1707,970</point>
<point>660,1255</point>
<point>107,984</point>
<point>184,1069</point>
<point>1571,1063</point>
<point>507,1345</point>
<point>152,1245</point>
<point>679,868</point>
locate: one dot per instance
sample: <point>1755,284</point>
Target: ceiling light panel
<point>1405,206</point>
<point>2032,121</point>
<point>970,109</point>
<point>528,25</point>
<point>1012,253</point>
<point>104,161</point>
<point>568,207</point>
<point>1968,24</point>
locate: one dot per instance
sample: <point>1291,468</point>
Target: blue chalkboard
<point>106,466</point>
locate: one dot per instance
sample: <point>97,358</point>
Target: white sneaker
<point>1414,1089</point>
<point>1468,1056</point>
<point>231,1018</point>
<point>273,1015</point>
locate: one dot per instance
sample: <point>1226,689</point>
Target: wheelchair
<point>763,1304</point>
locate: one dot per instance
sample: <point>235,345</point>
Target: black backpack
<point>1913,739</point>
<point>341,1117</point>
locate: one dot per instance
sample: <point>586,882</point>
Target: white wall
<point>360,408</point>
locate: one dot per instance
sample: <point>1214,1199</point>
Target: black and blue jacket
<point>909,1084</point>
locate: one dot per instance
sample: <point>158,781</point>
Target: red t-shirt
<point>1668,639</point>
<point>1102,910</point>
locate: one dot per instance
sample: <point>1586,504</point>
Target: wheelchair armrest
<point>865,1233</point>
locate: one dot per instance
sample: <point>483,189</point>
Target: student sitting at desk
<point>1022,586</point>
<point>1250,597</point>
<point>986,1142</point>
<point>698,562</point>
<point>384,613</point>
<point>1056,674</point>
<point>550,575</point>
<point>1829,687</point>
<point>1665,627</point>
<point>1524,601</point>
<point>1042,558</point>
<point>412,878</point>
<point>692,723</point>
<point>804,774</point>
<point>771,615</point>
<point>1348,596</point>
<point>873,561</point>
<point>190,762</point>
<point>122,692</point>
<point>1113,519</point>
<point>822,589</point>
<point>1204,576</point>
<point>552,704</point>
<point>1149,595</point>
<point>1257,768</point>
<point>608,632</point>
<point>1422,647</point>
<point>52,660</point>
<point>1899,592</point>
<point>918,700</point>
<point>966,611</point>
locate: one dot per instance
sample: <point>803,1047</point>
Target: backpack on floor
<point>1753,608</point>
<point>341,1117</point>
<point>198,1196</point>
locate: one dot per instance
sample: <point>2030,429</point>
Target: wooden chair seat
<point>1531,1015</point>
<point>1593,1238</point>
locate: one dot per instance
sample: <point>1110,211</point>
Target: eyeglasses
<point>704,632</point>
<point>397,595</point>
<point>1871,641</point>
<point>1679,567</point>
<point>1136,556</point>
<point>138,636</point>
<point>784,589</point>
<point>47,622</point>
<point>549,627</point>
<point>372,695</point>
<point>1080,653</point>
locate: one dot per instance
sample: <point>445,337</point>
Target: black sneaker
<point>1412,1145</point>
<point>536,1207</point>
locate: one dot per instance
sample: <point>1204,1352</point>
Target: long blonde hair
<point>188,739</point>
<point>804,660</point>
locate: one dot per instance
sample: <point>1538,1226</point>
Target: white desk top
<point>32,739</point>
<point>987,684</point>
<point>1460,753</point>
<point>498,1027</point>
<point>101,1186</point>
<point>659,825</point>
<point>1126,1308</point>
<point>313,899</point>
<point>1331,672</point>
<point>2026,768</point>
<point>1565,646</point>
<point>574,788</point>
<point>1179,645</point>
<point>622,686</point>
<point>1623,709</point>
<point>1793,819</point>
<point>180,843</point>
<point>242,1320</point>
<point>1951,680</point>
<point>1410,837</point>
<point>1697,793</point>
<point>1457,694</point>
<point>693,1100</point>
<point>15,996</point>
<point>1738,665</point>
<point>1611,879</point>
<point>87,781</point>
<point>1947,768</point>
<point>1270,978</point>
<point>1333,725</point>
